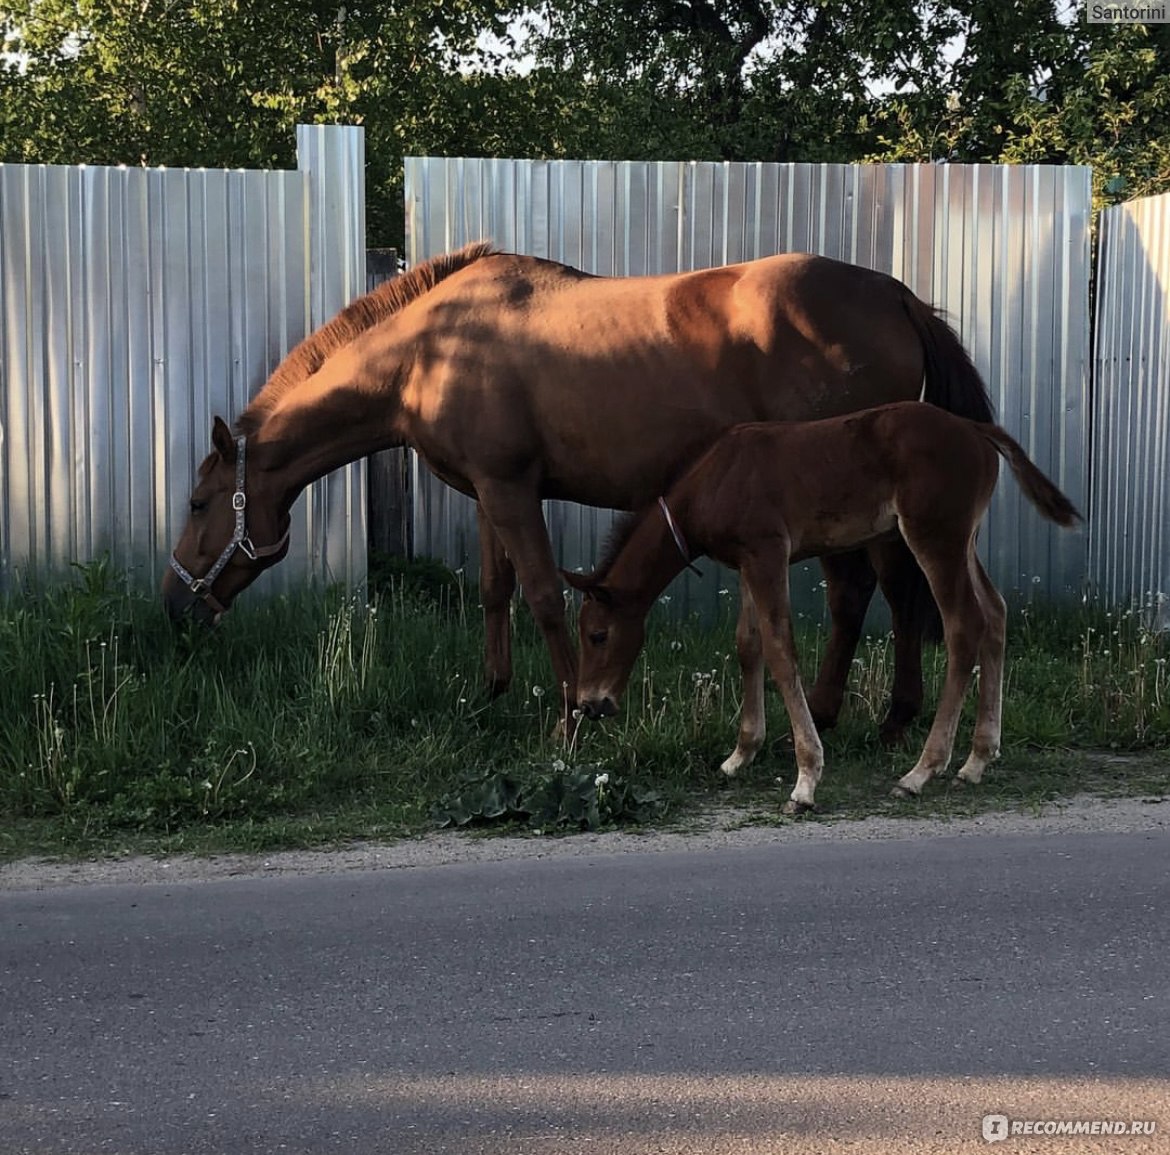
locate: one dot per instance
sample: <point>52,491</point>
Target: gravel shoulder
<point>716,828</point>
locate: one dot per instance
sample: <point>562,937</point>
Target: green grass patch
<point>316,718</point>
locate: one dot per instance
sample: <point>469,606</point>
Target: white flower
<point>558,766</point>
<point>538,691</point>
<point>601,780</point>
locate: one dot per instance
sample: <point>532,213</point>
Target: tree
<point>223,82</point>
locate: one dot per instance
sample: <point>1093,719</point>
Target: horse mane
<point>389,297</point>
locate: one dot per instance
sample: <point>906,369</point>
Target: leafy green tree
<point>223,82</point>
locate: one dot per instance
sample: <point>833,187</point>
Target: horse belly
<point>835,530</point>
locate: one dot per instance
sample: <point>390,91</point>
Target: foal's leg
<point>988,724</point>
<point>749,647</point>
<point>514,512</point>
<point>964,629</point>
<point>905,589</point>
<point>849,586</point>
<point>766,575</point>
<point>497,583</point>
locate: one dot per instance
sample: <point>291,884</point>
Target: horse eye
<point>198,506</point>
<point>599,638</point>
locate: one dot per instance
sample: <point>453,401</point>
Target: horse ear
<point>579,581</point>
<point>222,439</point>
<point>589,586</point>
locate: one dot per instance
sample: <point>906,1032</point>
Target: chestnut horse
<point>517,379</point>
<point>767,494</point>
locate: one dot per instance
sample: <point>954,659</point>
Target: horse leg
<point>514,513</point>
<point>497,583</point>
<point>988,724</point>
<point>766,575</point>
<point>964,629</point>
<point>849,582</point>
<point>904,587</point>
<point>749,647</point>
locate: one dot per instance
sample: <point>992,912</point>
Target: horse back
<point>839,483</point>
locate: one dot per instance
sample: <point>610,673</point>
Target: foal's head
<point>235,530</point>
<point>612,630</point>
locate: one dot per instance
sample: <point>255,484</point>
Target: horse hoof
<point>892,737</point>
<point>495,687</point>
<point>793,809</point>
<point>903,793</point>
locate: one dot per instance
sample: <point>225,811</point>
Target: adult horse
<point>517,379</point>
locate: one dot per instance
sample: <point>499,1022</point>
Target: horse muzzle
<point>184,606</point>
<point>597,708</point>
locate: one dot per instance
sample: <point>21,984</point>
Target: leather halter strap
<point>241,540</point>
<point>676,533</point>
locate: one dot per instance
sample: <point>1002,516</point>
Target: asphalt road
<point>871,996</point>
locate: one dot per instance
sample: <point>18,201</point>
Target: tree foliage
<point>222,82</point>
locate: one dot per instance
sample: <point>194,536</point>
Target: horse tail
<point>954,384</point>
<point>952,381</point>
<point>1037,488</point>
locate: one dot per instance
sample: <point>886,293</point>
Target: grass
<point>316,719</point>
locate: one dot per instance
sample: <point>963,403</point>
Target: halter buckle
<point>239,501</point>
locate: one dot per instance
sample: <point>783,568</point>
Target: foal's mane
<point>389,297</point>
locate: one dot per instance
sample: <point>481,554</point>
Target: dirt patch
<point>717,827</point>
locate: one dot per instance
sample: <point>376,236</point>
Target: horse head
<point>231,509</point>
<point>612,629</point>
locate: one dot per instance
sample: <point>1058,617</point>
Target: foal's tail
<point>1037,488</point>
<point>952,381</point>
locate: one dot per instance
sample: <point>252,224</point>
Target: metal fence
<point>135,304</point>
<point>1004,250</point>
<point>1129,555</point>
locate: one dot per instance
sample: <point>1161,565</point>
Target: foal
<point>768,494</point>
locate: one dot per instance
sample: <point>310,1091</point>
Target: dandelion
<point>601,780</point>
<point>558,766</point>
<point>665,599</point>
<point>538,691</point>
<point>676,646</point>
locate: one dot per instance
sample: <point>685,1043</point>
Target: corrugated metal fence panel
<point>1004,250</point>
<point>1130,546</point>
<point>136,304</point>
<point>334,158</point>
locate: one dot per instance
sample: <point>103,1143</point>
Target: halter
<point>679,540</point>
<point>241,540</point>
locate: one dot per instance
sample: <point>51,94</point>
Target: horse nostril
<point>597,708</point>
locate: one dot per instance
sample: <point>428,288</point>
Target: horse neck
<point>313,432</point>
<point>648,562</point>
